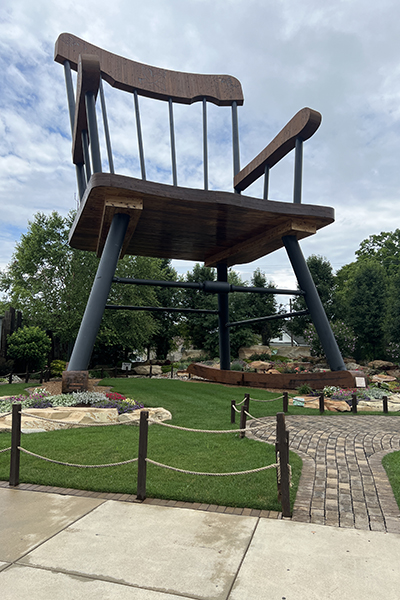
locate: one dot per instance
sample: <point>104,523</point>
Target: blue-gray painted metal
<point>208,286</point>
<point>223,319</point>
<point>299,313</point>
<point>161,309</point>
<point>80,173</point>
<point>89,328</point>
<point>205,144</point>
<point>86,157</point>
<point>70,93</point>
<point>235,140</point>
<point>139,135</point>
<point>266,182</point>
<point>298,171</point>
<point>314,304</point>
<point>90,103</point>
<point>106,128</point>
<point>172,138</point>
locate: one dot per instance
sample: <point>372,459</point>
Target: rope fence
<point>281,449</point>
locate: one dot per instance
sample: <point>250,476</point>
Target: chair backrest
<point>95,65</point>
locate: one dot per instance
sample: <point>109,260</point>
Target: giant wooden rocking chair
<point>121,215</point>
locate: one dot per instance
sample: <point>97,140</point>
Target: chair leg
<point>93,314</point>
<point>223,319</point>
<point>314,304</point>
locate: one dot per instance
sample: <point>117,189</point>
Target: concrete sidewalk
<point>56,546</point>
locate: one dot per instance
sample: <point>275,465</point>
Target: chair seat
<point>190,224</point>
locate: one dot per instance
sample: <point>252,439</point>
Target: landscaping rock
<point>381,365</point>
<point>157,414</point>
<point>380,377</point>
<point>71,417</point>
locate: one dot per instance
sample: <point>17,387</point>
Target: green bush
<point>29,345</point>
<point>57,367</point>
<point>6,366</point>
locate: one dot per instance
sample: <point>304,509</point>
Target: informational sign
<point>126,366</point>
<point>360,382</point>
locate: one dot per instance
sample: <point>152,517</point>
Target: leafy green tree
<point>366,308</point>
<point>29,345</point>
<point>384,248</point>
<point>263,305</point>
<point>50,283</point>
<point>324,279</point>
<point>168,323</point>
<point>202,330</point>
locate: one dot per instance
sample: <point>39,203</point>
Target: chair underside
<point>190,224</point>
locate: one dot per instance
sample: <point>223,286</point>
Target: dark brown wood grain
<point>88,80</point>
<point>192,224</point>
<point>150,81</point>
<point>281,381</point>
<point>304,124</point>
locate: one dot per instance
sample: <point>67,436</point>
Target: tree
<point>322,274</point>
<point>366,308</point>
<point>50,283</point>
<point>263,305</point>
<point>30,345</point>
<point>384,248</point>
<point>168,323</point>
<point>202,330</point>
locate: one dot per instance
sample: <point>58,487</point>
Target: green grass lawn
<point>391,463</point>
<point>14,389</point>
<point>192,404</point>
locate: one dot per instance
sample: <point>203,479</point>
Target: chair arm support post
<point>80,174</point>
<point>298,171</point>
<point>205,144</point>
<point>106,128</point>
<point>235,142</point>
<point>90,102</point>
<point>172,138</point>
<point>266,182</point>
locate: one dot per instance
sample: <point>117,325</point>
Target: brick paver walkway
<point>343,482</point>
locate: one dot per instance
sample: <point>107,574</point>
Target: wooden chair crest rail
<point>168,221</point>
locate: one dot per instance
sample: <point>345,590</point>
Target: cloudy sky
<point>341,58</point>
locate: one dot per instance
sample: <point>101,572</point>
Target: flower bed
<point>40,398</point>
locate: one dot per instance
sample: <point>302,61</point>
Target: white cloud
<point>341,58</point>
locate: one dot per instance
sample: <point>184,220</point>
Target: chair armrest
<point>88,81</point>
<point>303,125</point>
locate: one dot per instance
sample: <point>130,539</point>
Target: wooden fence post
<point>41,376</point>
<point>354,403</point>
<point>151,371</point>
<point>10,377</point>
<point>285,402</point>
<point>385,404</point>
<point>115,372</point>
<point>233,411</point>
<point>15,443</point>
<point>27,376</point>
<point>172,371</point>
<point>282,450</point>
<point>242,421</point>
<point>142,465</point>
<point>321,403</point>
<point>247,402</point>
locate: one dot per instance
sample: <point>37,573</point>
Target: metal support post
<point>15,444</point>
<point>298,171</point>
<point>223,318</point>
<point>314,304</point>
<point>98,296</point>
<point>142,465</point>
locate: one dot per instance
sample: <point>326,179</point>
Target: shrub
<point>31,345</point>
<point>6,366</point>
<point>305,389</point>
<point>57,367</point>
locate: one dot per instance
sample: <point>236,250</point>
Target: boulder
<point>69,417</point>
<point>260,365</point>
<point>381,365</point>
<point>380,378</point>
